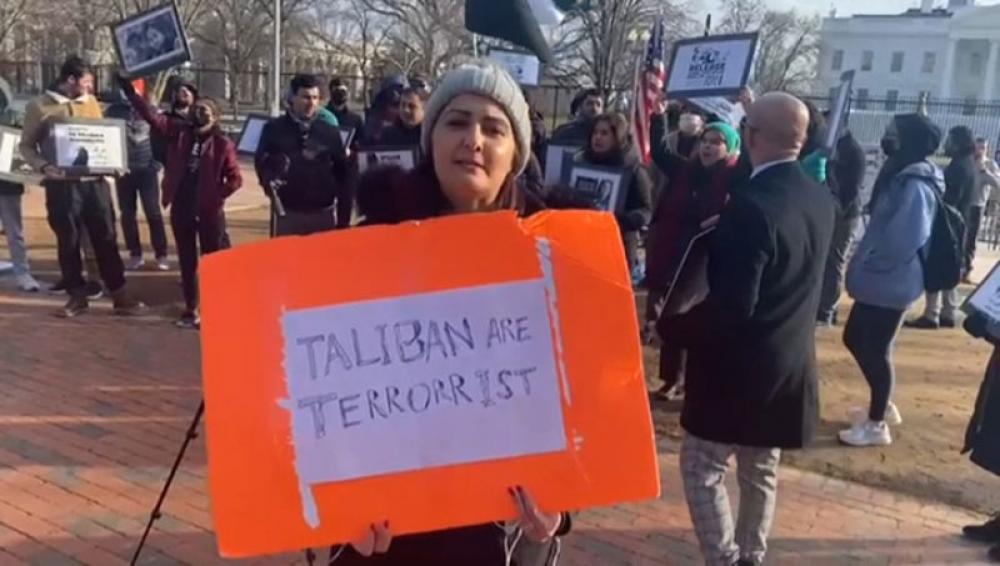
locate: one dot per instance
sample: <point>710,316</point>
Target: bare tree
<point>787,47</point>
<point>350,30</point>
<point>424,35</point>
<point>12,14</point>
<point>603,41</point>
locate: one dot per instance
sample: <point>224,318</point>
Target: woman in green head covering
<point>696,190</point>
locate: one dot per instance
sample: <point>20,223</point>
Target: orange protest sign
<point>415,372</point>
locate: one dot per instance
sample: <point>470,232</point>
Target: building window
<point>930,58</point>
<point>976,64</point>
<point>867,60</point>
<point>862,99</point>
<point>897,62</point>
<point>837,62</point>
<point>890,100</point>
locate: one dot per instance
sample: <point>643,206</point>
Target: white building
<point>942,53</point>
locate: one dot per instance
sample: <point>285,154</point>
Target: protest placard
<point>13,167</point>
<point>87,146</point>
<point>986,298</point>
<point>435,373</point>
<point>714,65</point>
<point>838,112</point>
<point>401,156</point>
<point>151,41</point>
<point>524,67</point>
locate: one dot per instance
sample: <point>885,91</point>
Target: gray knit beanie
<point>488,80</point>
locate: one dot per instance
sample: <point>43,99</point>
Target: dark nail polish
<point>386,524</point>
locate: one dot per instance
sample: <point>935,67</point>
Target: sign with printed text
<point>460,360</point>
<point>403,157</point>
<point>715,65</point>
<point>83,146</point>
<point>377,379</point>
<point>524,67</point>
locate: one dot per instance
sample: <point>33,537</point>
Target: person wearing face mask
<point>405,131</point>
<point>477,139</point>
<point>200,173</point>
<point>76,204</point>
<point>609,147</point>
<point>960,184</point>
<point>695,192</point>
<point>184,96</point>
<point>886,274</point>
<point>339,106</point>
<point>306,157</point>
<point>588,105</point>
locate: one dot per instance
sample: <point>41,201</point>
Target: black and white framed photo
<point>250,133</point>
<point>603,187</point>
<point>87,146</point>
<point>401,156</point>
<point>12,166</point>
<point>715,65</point>
<point>556,159</point>
<point>151,41</point>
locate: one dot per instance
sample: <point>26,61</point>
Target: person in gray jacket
<point>885,276</point>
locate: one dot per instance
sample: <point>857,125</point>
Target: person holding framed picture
<point>200,174</point>
<point>608,146</point>
<point>76,203</point>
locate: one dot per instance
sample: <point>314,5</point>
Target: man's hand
<point>746,97</point>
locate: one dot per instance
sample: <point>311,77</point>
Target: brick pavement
<point>94,409</point>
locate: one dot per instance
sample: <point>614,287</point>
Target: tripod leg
<point>192,433</point>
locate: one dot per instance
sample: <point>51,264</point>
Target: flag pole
<point>276,63</point>
<point>475,45</point>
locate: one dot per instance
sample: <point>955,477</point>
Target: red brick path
<point>93,410</point>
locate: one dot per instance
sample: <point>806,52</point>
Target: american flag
<point>650,76</point>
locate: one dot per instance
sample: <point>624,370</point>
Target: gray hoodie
<point>886,270</point>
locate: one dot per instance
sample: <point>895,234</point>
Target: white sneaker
<point>163,264</point>
<point>28,284</point>
<point>134,263</point>
<point>860,414</point>
<point>867,433</point>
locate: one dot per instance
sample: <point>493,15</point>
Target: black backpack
<point>943,256</point>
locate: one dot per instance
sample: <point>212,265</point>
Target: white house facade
<point>940,53</point>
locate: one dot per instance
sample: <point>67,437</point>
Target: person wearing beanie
<point>695,192</point>
<point>384,111</point>
<point>476,138</point>
<point>886,275</point>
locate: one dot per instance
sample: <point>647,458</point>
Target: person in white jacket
<point>987,190</point>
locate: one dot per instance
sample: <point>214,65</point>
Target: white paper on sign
<point>89,145</point>
<point>986,298</point>
<point>422,381</point>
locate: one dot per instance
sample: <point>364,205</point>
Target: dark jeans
<point>77,206</point>
<point>192,227</point>
<point>973,223</point>
<point>141,184</point>
<point>870,335</point>
<point>836,266</point>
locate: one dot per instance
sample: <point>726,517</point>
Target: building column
<point>949,68</point>
<point>991,71</point>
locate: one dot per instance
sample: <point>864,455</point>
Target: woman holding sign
<point>477,139</point>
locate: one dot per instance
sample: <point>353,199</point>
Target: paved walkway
<point>93,411</point>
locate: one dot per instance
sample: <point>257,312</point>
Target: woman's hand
<point>376,540</point>
<point>536,525</point>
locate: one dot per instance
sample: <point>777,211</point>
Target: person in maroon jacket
<point>201,173</point>
<point>477,139</point>
<point>696,191</point>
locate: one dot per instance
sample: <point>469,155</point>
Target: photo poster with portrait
<point>839,112</point>
<point>715,65</point>
<point>151,41</point>
<point>604,188</point>
<point>556,158</point>
<point>250,133</point>
<point>13,167</point>
<point>405,157</point>
<point>86,146</point>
